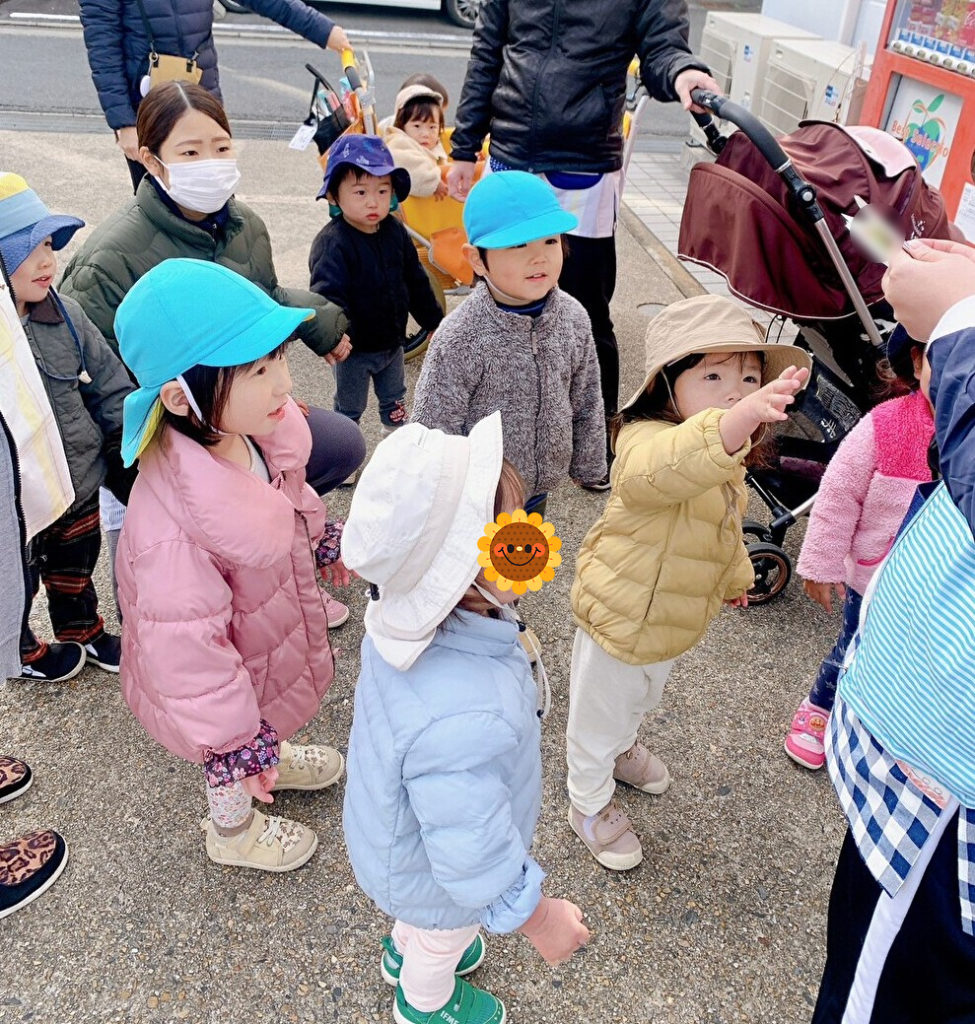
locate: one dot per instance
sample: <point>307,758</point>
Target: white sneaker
<point>269,843</point>
<point>308,767</point>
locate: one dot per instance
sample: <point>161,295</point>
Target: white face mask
<point>203,186</point>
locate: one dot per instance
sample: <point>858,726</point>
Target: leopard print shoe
<point>29,866</point>
<point>15,778</point>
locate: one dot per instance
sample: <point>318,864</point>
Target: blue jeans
<point>823,692</point>
<point>386,370</point>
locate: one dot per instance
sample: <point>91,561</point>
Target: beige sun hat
<point>711,323</point>
<point>414,92</point>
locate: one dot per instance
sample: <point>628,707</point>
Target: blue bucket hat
<point>368,153</point>
<point>185,313</point>
<point>25,222</point>
<point>511,208</point>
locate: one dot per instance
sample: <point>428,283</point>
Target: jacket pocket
<point>869,562</point>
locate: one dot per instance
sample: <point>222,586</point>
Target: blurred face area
<point>194,137</point>
<point>365,202</point>
<point>32,280</point>
<point>427,133</point>
<point>718,381</point>
<point>522,274</point>
<point>257,398</point>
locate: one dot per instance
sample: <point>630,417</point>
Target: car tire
<point>462,12</point>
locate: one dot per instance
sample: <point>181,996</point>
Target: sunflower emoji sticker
<point>519,552</point>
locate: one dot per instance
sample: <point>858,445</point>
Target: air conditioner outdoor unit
<point>813,78</point>
<point>737,48</point>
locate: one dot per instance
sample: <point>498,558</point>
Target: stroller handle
<point>728,110</point>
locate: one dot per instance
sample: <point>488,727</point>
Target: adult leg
<point>589,275</point>
<point>338,449</point>
<point>389,382</point>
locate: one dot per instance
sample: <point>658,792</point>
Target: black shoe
<point>15,778</point>
<point>57,663</point>
<point>105,652</point>
<point>598,485</point>
<point>29,866</point>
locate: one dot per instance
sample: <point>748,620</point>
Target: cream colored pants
<point>607,702</point>
<point>429,960</point>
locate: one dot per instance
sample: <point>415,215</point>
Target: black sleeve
<point>423,303</point>
<point>328,264</point>
<point>661,29</point>
<point>118,479</point>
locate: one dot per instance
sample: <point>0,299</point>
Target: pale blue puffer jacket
<point>445,780</point>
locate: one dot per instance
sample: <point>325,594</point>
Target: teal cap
<point>185,313</point>
<point>509,208</point>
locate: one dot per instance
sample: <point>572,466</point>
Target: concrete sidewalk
<point>724,920</point>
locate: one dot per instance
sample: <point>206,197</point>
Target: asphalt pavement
<point>724,920</point>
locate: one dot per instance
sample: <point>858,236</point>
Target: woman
<point>185,207</point>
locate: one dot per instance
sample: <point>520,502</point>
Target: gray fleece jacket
<point>540,372</point>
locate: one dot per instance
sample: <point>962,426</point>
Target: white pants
<point>607,702</point>
<point>429,961</point>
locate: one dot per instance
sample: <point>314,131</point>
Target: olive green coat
<point>145,232</point>
<point>667,551</point>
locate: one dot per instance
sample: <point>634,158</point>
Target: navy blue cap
<point>367,153</point>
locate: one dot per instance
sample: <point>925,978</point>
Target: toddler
<point>365,262</point>
<point>414,139</point>
<point>864,495</point>
<point>518,343</point>
<point>225,632</point>
<point>86,384</point>
<point>445,781</point>
<point>653,571</point>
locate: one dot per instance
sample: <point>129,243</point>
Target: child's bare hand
<point>337,574</point>
<point>303,406</point>
<point>737,602</point>
<point>260,786</point>
<point>769,403</point>
<point>822,593</point>
<point>555,930</point>
<point>442,191</point>
<point>340,353</point>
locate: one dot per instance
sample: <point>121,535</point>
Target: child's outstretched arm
<point>767,405</point>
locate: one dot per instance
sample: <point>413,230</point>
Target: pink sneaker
<point>336,612</point>
<point>804,743</point>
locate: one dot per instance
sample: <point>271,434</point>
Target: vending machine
<point>922,90</point>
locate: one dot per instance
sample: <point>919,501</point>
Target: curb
<point>681,278</point>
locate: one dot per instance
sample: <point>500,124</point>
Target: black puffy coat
<point>547,78</point>
<point>118,48</point>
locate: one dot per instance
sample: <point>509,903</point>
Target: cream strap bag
<point>165,67</point>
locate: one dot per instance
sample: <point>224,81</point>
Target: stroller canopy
<point>738,217</point>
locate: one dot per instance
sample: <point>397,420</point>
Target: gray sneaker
<point>608,837</point>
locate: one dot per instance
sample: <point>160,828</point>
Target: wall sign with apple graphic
<point>924,119</point>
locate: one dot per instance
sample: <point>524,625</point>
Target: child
<point>518,343</point>
<point>86,384</point>
<point>862,500</point>
<point>667,551</point>
<point>444,784</point>
<point>224,631</point>
<point>364,262</point>
<point>414,139</point>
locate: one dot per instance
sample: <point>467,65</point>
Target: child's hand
<point>337,574</point>
<point>303,406</point>
<point>555,930</point>
<point>340,353</point>
<point>441,192</point>
<point>260,786</point>
<point>767,405</point>
<point>737,602</point>
<point>822,593</point>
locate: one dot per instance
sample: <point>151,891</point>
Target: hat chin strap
<point>195,407</point>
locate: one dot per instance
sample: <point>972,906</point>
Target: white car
<point>460,12</point>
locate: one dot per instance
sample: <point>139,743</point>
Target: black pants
<point>928,976</point>
<point>589,275</point>
<point>64,556</point>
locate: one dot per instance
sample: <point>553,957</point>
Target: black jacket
<point>376,279</point>
<point>547,78</point>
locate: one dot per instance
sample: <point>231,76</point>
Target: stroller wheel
<point>773,570</point>
<point>754,532</point>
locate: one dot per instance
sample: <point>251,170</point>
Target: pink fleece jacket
<point>866,492</point>
<point>223,621</point>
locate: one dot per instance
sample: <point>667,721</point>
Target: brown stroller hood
<point>738,220</point>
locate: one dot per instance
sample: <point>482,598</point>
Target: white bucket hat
<point>420,506</point>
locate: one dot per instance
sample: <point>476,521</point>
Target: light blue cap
<point>509,208</point>
<point>185,313</point>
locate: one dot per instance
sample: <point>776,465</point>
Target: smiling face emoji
<point>519,552</point>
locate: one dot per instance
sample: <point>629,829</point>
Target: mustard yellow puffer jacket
<point>654,569</point>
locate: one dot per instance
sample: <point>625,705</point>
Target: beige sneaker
<point>311,767</point>
<point>638,768</point>
<point>608,836</point>
<point>270,843</point>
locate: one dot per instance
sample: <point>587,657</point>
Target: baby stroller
<point>332,114</point>
<point>768,215</point>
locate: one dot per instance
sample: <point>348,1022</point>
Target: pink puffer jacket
<point>223,622</point>
<point>866,492</point>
